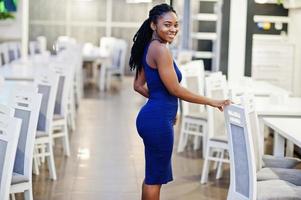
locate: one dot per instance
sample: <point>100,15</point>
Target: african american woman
<point>154,66</point>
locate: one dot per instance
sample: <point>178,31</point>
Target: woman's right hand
<point>220,104</point>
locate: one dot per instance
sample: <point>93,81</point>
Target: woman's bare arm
<point>168,76</point>
<point>139,84</point>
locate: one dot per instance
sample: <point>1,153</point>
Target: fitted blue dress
<point>155,126</point>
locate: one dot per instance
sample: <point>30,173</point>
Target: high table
<point>267,107</point>
<point>289,107</point>
<point>285,128</point>
<point>98,57</point>
<point>25,71</point>
<point>258,88</point>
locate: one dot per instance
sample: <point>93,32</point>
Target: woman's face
<point>167,27</point>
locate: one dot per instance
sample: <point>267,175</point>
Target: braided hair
<point>144,35</point>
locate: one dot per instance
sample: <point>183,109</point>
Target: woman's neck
<point>156,37</point>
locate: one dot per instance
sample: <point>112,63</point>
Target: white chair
<point>47,86</point>
<point>60,118</point>
<point>184,56</point>
<point>194,116</point>
<point>278,168</point>
<point>117,64</point>
<point>26,103</point>
<point>243,181</point>
<point>34,48</point>
<point>42,43</point>
<point>3,54</point>
<point>216,139</point>
<point>107,44</point>
<point>9,135</point>
<point>13,51</point>
<point>72,57</point>
<point>64,42</point>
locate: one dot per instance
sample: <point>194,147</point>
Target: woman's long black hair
<point>144,35</point>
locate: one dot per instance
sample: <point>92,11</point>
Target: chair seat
<point>277,190</point>
<point>57,117</point>
<point>290,175</point>
<point>221,138</point>
<point>40,134</point>
<point>18,178</point>
<point>280,162</point>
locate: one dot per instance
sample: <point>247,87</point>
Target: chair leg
<point>102,77</point>
<point>28,194</point>
<point>72,117</point>
<point>66,140</point>
<point>43,153</point>
<point>36,170</point>
<point>183,137</point>
<point>108,81</point>
<point>50,161</point>
<point>204,140</point>
<point>218,155</point>
<point>36,161</point>
<point>13,196</point>
<point>205,172</point>
<point>289,149</point>
<point>36,152</point>
<point>219,172</point>
<point>196,142</point>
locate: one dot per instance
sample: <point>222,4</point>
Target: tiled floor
<point>107,161</point>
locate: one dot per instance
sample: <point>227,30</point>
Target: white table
<point>265,107</point>
<point>21,72</point>
<point>24,71</point>
<point>258,88</point>
<point>289,107</point>
<point>285,128</point>
<point>97,57</point>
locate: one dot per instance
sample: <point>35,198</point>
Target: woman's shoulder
<point>158,49</point>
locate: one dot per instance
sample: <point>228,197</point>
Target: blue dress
<point>155,126</point>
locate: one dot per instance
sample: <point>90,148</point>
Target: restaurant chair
<point>184,56</point>
<point>46,83</point>
<point>118,61</point>
<point>13,52</point>
<point>216,138</point>
<point>9,136</point>
<point>69,57</point>
<point>4,53</point>
<point>42,43</point>
<point>194,116</point>
<point>59,125</point>
<point>243,182</point>
<point>274,170</point>
<point>33,48</point>
<point>26,103</point>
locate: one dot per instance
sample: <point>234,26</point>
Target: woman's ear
<point>153,26</point>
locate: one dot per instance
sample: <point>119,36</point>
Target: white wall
<point>294,36</point>
<point>12,29</point>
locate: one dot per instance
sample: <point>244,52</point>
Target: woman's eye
<point>168,25</point>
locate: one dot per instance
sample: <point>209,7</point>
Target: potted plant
<point>5,16</point>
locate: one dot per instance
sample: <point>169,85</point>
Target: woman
<point>154,65</point>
